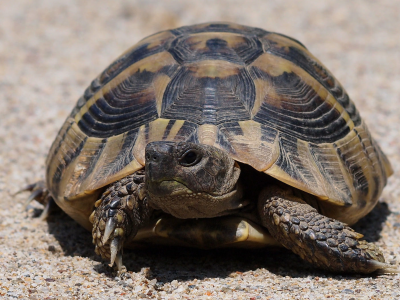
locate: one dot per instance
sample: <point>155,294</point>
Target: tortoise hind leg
<point>322,241</point>
<point>41,194</point>
<point>121,211</point>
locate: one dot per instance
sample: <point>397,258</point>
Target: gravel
<point>49,52</point>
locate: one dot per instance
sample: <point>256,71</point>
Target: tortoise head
<point>190,180</point>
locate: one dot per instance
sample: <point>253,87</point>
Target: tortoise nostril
<point>152,155</point>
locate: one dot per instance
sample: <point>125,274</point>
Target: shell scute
<point>231,47</point>
<point>293,102</point>
<point>291,50</point>
<point>209,99</point>
<point>128,101</point>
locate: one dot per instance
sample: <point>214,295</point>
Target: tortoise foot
<point>41,194</point>
<point>322,241</point>
<point>120,212</point>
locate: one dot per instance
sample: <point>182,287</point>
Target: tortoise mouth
<point>174,198</point>
<point>167,187</point>
<point>219,232</point>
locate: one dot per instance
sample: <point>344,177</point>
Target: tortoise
<point>219,135</point>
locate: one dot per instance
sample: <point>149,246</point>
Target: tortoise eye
<point>190,158</point>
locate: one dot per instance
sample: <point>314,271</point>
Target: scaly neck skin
<point>189,180</point>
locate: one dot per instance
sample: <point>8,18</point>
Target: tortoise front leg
<point>119,214</point>
<point>322,241</point>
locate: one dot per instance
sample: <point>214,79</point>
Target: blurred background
<point>51,50</point>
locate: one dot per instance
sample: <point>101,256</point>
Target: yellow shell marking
<point>214,69</point>
<point>207,134</point>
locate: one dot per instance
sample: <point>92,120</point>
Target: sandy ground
<point>49,52</point>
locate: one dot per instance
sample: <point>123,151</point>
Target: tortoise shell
<point>260,96</point>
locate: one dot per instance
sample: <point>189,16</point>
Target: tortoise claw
<point>383,268</point>
<point>110,225</point>
<point>49,207</point>
<point>41,194</point>
<point>35,194</point>
<point>28,188</point>
<point>118,262</point>
<point>115,247</point>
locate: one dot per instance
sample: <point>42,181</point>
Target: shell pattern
<point>261,96</point>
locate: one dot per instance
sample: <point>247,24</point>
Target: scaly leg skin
<point>322,241</point>
<point>122,210</point>
<point>41,194</point>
